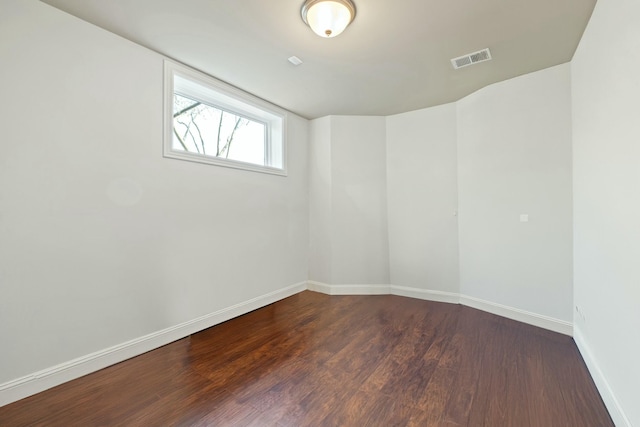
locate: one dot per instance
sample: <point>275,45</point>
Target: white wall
<point>606,147</point>
<point>514,157</point>
<point>499,153</point>
<point>360,246</point>
<point>320,190</point>
<point>102,240</point>
<point>348,211</point>
<point>422,196</point>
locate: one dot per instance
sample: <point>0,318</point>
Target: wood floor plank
<point>314,359</point>
<point>468,342</point>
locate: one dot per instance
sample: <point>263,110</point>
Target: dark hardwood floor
<point>321,360</point>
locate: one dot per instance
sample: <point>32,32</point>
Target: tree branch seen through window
<point>207,130</point>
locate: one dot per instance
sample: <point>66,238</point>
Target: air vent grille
<point>471,58</point>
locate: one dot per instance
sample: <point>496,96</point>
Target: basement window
<point>208,121</point>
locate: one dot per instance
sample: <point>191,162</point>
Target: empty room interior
<point>218,212</point>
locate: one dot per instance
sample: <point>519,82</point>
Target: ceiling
<point>394,57</point>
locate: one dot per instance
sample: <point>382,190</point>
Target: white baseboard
<point>545,322</point>
<point>323,288</point>
<point>438,296</point>
<point>348,289</point>
<point>35,383</point>
<point>528,317</point>
<point>615,410</point>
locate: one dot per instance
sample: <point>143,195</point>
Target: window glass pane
<point>206,130</point>
<point>209,121</point>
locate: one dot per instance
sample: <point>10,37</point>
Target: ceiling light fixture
<point>328,18</point>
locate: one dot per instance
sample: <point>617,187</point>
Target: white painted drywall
<point>103,240</point>
<point>320,188</point>
<point>606,156</point>
<point>514,157</point>
<point>422,198</point>
<point>358,199</point>
<point>348,211</point>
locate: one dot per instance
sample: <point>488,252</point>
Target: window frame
<point>198,86</point>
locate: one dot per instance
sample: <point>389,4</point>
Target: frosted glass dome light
<point>328,18</point>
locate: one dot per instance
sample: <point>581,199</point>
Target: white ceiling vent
<point>295,60</point>
<point>471,58</point>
